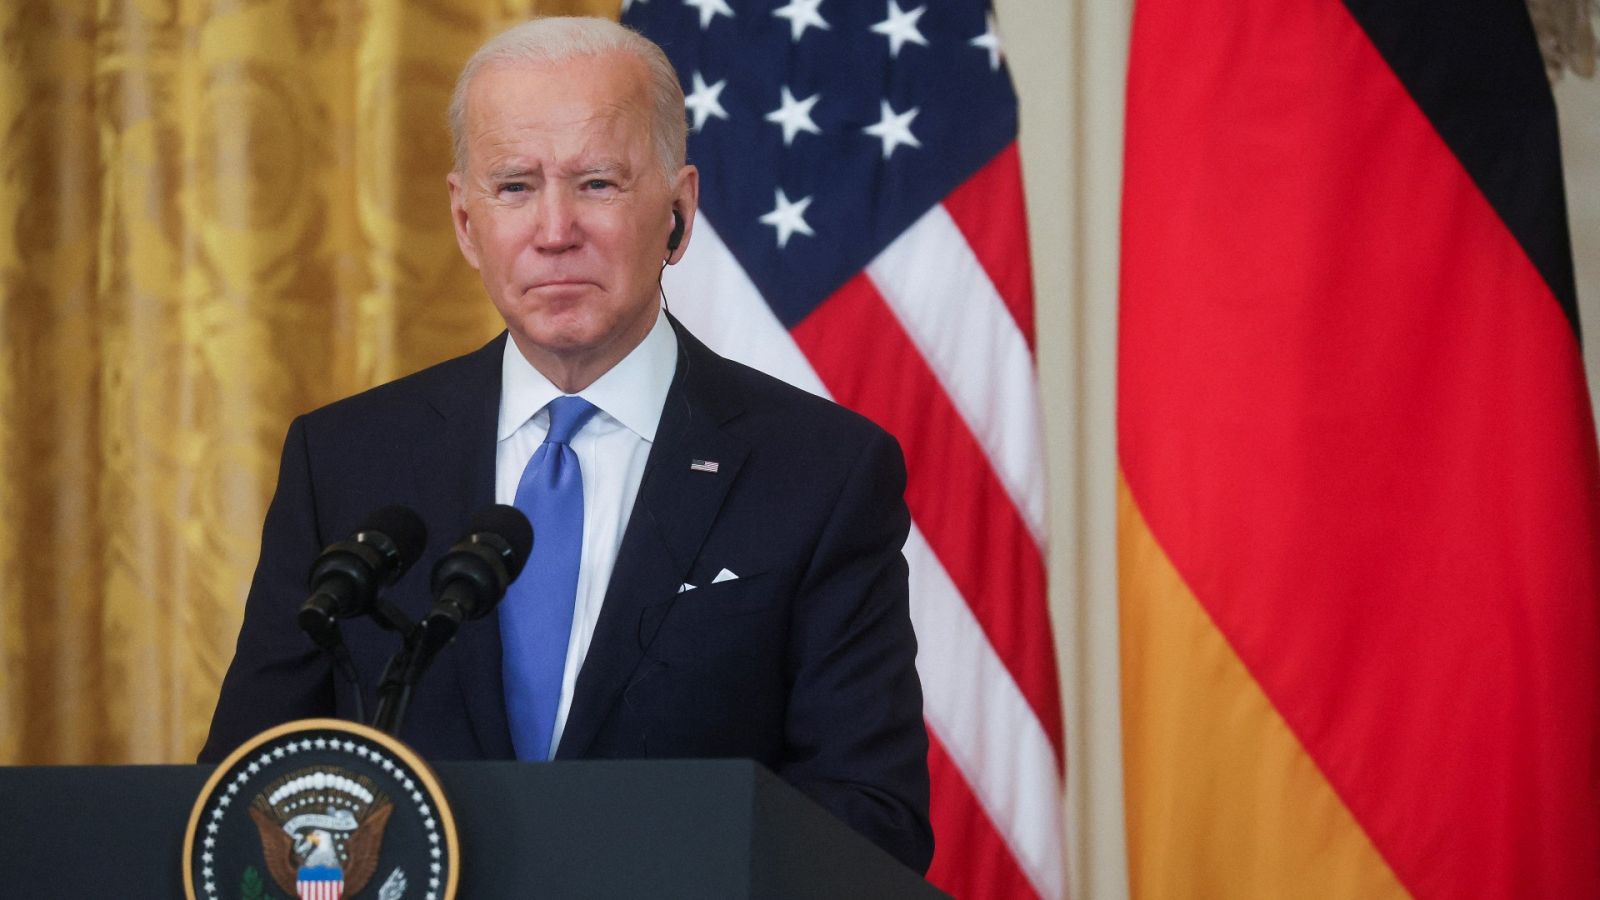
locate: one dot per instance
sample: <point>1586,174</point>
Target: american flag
<point>319,883</point>
<point>861,235</point>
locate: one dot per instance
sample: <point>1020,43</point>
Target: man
<point>738,589</point>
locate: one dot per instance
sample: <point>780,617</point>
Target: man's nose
<point>555,226</point>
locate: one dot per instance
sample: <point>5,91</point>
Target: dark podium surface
<point>701,828</point>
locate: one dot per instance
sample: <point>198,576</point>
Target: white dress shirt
<point>612,448</point>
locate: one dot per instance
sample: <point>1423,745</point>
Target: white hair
<point>560,38</point>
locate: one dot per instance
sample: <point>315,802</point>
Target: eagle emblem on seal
<point>321,832</point>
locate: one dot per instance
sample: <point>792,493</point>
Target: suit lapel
<point>675,508</point>
<point>455,478</point>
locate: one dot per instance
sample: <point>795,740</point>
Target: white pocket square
<point>724,575</point>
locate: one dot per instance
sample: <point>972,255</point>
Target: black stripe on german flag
<point>1473,68</point>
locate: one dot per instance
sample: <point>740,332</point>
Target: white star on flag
<point>894,128</point>
<point>990,41</point>
<point>901,27</point>
<point>801,13</point>
<point>788,218</point>
<point>794,115</point>
<point>703,102</point>
<point>709,9</point>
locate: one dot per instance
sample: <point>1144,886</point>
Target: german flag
<point>1359,517</point>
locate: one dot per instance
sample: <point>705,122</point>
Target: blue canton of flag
<point>823,130</point>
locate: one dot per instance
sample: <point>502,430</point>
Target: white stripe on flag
<point>971,702</point>
<point>711,294</point>
<point>986,724</point>
<point>950,309</point>
<point>319,890</point>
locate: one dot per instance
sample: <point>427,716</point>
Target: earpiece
<point>676,237</point>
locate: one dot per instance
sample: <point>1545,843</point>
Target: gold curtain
<point>213,216</point>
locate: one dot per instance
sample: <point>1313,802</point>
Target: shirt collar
<point>633,392</point>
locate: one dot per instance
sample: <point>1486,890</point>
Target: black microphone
<point>347,575</point>
<point>473,575</point>
<point>468,581</point>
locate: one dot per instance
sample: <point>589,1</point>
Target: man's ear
<point>685,202</point>
<point>465,239</point>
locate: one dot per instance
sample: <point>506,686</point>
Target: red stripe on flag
<point>953,493</point>
<point>988,208</point>
<point>970,858</point>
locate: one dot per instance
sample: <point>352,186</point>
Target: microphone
<point>347,575</point>
<point>468,581</point>
<point>473,575</point>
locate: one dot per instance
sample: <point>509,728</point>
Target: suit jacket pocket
<point>721,630</point>
<point>743,596</point>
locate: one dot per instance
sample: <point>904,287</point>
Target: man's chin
<point>572,333</point>
<point>579,333</point>
<point>572,339</point>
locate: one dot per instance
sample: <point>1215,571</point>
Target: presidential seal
<point>321,810</point>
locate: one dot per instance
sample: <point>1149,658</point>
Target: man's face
<point>564,210</point>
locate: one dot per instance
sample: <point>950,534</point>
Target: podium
<point>647,828</point>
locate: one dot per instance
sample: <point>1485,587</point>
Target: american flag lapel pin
<point>704,465</point>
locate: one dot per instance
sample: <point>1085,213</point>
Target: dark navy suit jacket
<point>804,663</point>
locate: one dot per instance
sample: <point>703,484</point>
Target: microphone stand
<point>326,635</point>
<point>421,645</point>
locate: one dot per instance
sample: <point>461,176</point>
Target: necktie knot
<point>567,417</point>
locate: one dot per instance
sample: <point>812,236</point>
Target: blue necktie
<point>536,616</point>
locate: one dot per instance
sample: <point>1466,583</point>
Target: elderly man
<point>717,573</point>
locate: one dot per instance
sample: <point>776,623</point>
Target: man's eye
<point>513,188</point>
<point>597,184</point>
